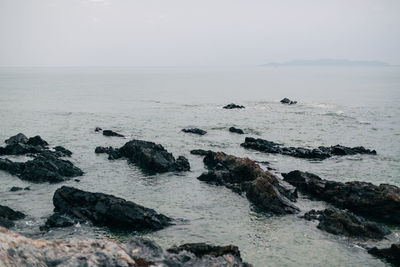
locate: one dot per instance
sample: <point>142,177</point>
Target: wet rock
<point>8,215</point>
<point>151,157</point>
<point>236,130</point>
<point>288,101</point>
<point>37,141</point>
<point>232,106</point>
<point>19,138</point>
<point>15,188</point>
<point>46,167</point>
<point>98,129</point>
<point>63,151</point>
<point>17,250</point>
<point>57,220</point>
<point>340,222</point>
<point>241,175</point>
<point>27,188</point>
<point>202,249</point>
<point>20,149</point>
<point>107,210</point>
<point>391,255</point>
<point>200,152</point>
<point>194,131</point>
<point>301,152</point>
<point>380,203</point>
<point>112,133</point>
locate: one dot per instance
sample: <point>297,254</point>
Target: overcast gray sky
<point>195,33</point>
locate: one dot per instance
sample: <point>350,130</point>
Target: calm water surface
<point>350,106</point>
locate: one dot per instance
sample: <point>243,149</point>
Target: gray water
<point>348,106</point>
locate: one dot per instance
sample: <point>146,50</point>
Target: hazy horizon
<point>185,33</point>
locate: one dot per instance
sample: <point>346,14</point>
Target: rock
<point>98,129</point>
<point>46,167</point>
<point>15,188</point>
<point>151,157</point>
<point>202,249</point>
<point>8,215</point>
<point>391,255</point>
<point>380,203</point>
<point>19,138</point>
<point>200,152</point>
<point>236,130</point>
<point>111,133</point>
<point>57,220</point>
<point>20,149</point>
<point>301,152</point>
<point>262,188</point>
<point>27,188</point>
<point>17,250</point>
<point>232,106</point>
<point>194,131</point>
<point>340,222</point>
<point>37,141</point>
<point>107,210</point>
<point>288,101</point>
<point>64,152</point>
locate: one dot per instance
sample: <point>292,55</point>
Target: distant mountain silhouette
<point>327,62</point>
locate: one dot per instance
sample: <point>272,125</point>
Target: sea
<point>351,106</point>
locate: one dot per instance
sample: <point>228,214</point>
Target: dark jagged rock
<point>112,133</point>
<point>20,149</point>
<point>19,138</point>
<point>57,220</point>
<point>107,210</point>
<point>288,101</point>
<point>340,222</point>
<point>232,106</point>
<point>202,249</point>
<point>301,152</point>
<point>46,167</point>
<point>236,130</point>
<point>17,250</point>
<point>15,188</point>
<point>262,188</point>
<point>381,202</point>
<point>200,152</point>
<point>8,215</point>
<point>98,129</point>
<point>194,131</point>
<point>37,141</point>
<point>391,255</point>
<point>151,157</point>
<point>64,152</point>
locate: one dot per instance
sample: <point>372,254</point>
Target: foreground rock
<point>17,250</point>
<point>194,131</point>
<point>288,101</point>
<point>107,210</point>
<point>391,255</point>
<point>301,152</point>
<point>236,130</point>
<point>45,167</point>
<point>151,157</point>
<point>378,202</point>
<point>262,188</point>
<point>112,133</point>
<point>340,222</point>
<point>233,106</point>
<point>7,216</point>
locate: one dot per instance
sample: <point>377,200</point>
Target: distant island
<point>327,62</point>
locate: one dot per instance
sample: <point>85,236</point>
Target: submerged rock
<point>288,101</point>
<point>301,152</point>
<point>112,133</point>
<point>232,106</point>
<point>45,167</point>
<point>107,210</point>
<point>8,215</point>
<point>17,250</point>
<point>98,129</point>
<point>194,131</point>
<point>202,249</point>
<point>262,188</point>
<point>378,202</point>
<point>391,255</point>
<point>340,222</point>
<point>236,130</point>
<point>151,157</point>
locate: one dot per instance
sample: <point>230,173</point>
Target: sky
<point>195,33</point>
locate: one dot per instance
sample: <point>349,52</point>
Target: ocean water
<point>349,106</point>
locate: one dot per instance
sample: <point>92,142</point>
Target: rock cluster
<point>382,203</point>
<point>151,157</point>
<point>320,153</point>
<point>262,188</point>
